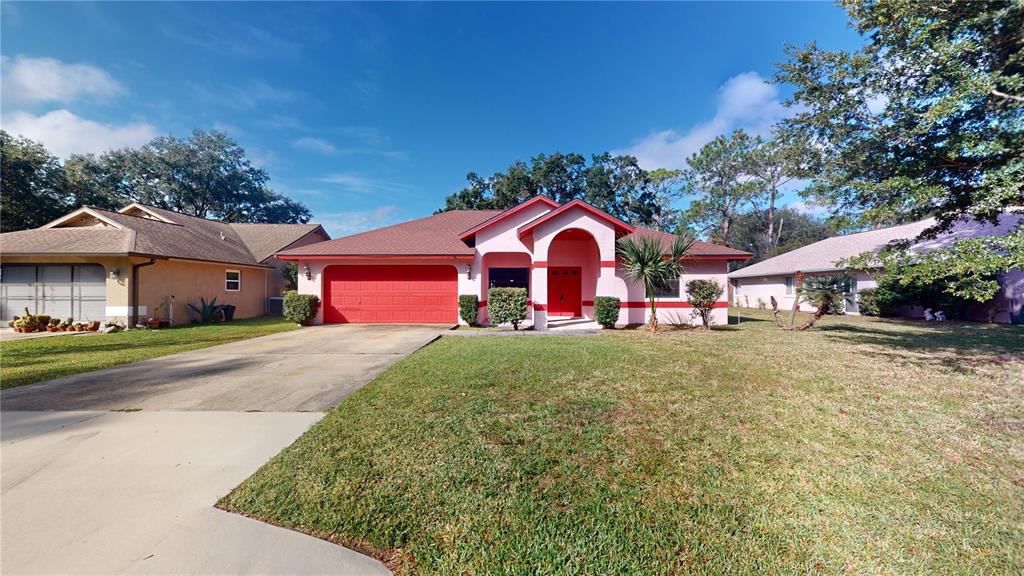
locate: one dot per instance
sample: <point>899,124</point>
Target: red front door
<point>565,291</point>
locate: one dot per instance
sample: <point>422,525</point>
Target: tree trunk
<point>654,313</point>
<point>771,221</point>
<point>826,301</point>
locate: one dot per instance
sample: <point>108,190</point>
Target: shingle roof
<point>67,241</point>
<point>185,237</point>
<point>699,248</point>
<point>265,240</point>
<point>823,255</point>
<point>436,235</point>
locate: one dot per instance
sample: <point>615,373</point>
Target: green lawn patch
<point>27,361</point>
<point>861,446</point>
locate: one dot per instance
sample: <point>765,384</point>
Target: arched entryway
<point>574,264</point>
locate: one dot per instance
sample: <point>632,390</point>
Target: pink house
<point>564,255</point>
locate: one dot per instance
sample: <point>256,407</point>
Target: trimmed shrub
<point>606,310</point>
<point>867,302</point>
<point>702,295</point>
<point>300,308</point>
<point>507,306</point>
<point>468,306</point>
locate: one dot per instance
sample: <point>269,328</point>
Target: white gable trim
<point>146,209</point>
<point>83,210</point>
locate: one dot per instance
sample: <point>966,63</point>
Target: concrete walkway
<point>86,490</point>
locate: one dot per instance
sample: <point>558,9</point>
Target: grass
<point>862,446</point>
<point>28,361</point>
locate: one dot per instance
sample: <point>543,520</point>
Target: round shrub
<point>703,295</point>
<point>507,306</point>
<point>606,310</point>
<point>300,308</point>
<point>469,304</point>
<point>867,302</point>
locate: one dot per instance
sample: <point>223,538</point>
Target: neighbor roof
<point>436,235</point>
<point>698,249</point>
<point>162,233</point>
<point>823,255</point>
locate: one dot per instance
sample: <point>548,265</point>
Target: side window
<point>232,280</point>
<point>789,285</point>
<point>508,277</point>
<point>669,291</point>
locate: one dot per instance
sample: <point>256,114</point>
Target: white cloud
<point>345,223</point>
<point>40,80</point>
<point>64,133</point>
<point>318,145</point>
<point>360,185</point>
<point>745,101</point>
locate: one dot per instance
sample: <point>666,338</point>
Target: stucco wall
<point>276,283</point>
<point>188,281</point>
<point>764,287</point>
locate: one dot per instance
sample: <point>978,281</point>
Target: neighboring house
<point>779,276</point>
<point>564,255</point>
<point>96,264</point>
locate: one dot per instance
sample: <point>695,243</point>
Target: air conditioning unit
<point>275,306</point>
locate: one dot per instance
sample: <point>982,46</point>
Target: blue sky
<point>372,113</point>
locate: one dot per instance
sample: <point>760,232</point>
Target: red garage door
<point>393,294</point>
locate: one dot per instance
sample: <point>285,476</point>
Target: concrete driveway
<point>311,369</point>
<point>90,490</point>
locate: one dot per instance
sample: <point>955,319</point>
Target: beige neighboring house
<point>778,276</point>
<point>142,261</point>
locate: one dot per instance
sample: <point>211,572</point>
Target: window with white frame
<point>232,280</point>
<point>789,285</point>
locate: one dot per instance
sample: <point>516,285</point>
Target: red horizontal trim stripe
<point>588,302</point>
<point>540,264</point>
<point>539,306</point>
<point>607,263</point>
<point>432,258</point>
<point>483,303</point>
<point>646,304</point>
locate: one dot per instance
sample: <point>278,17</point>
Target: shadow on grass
<point>959,345</point>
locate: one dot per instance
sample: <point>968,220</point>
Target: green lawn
<point>27,361</point>
<point>862,446</point>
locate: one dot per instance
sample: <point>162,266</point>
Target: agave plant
<point>645,262</point>
<point>207,311</point>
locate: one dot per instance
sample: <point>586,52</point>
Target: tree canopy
<point>926,119</point>
<point>615,184</point>
<point>791,230</point>
<point>206,175</point>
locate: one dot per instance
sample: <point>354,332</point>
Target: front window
<point>508,277</point>
<point>232,280</point>
<point>671,290</point>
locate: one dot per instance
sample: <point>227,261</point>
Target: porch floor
<point>572,324</point>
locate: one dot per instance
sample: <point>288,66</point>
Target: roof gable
<point>507,213</point>
<point>619,225</point>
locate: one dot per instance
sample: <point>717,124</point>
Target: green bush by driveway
<point>860,446</point>
<point>27,361</point>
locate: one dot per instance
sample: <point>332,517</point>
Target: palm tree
<point>644,261</point>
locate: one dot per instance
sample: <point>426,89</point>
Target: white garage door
<point>78,291</point>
